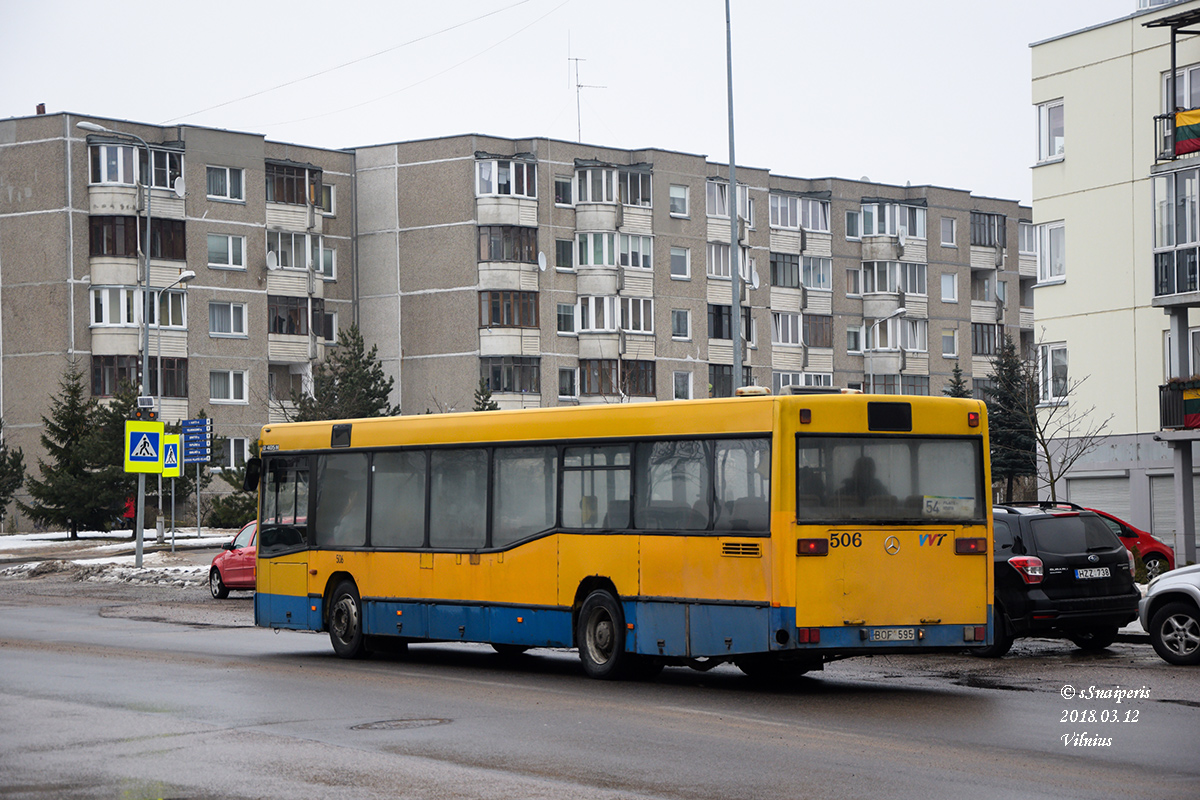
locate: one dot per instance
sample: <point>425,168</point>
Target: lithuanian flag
<point>1191,408</point>
<point>1187,131</point>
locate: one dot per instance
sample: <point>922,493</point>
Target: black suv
<point>1059,572</point>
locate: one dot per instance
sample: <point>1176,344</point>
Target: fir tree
<point>75,491</point>
<point>350,385</point>
<point>483,398</point>
<point>1012,417</point>
<point>12,472</point>
<point>957,387</point>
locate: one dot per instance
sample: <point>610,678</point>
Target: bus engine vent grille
<point>741,549</point>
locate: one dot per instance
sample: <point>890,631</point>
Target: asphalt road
<point>139,691</point>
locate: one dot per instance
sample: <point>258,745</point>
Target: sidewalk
<point>189,546</point>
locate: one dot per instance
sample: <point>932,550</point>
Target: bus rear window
<point>846,478</point>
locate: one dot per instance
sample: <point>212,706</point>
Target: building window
<point>597,314</point>
<point>818,272</point>
<point>1027,238</point>
<point>230,452</point>
<point>292,184</point>
<point>983,389</point>
<point>682,385</point>
<point>328,200</point>
<point>637,314</point>
<point>914,335</point>
<point>893,276</point>
<point>639,378</point>
<point>637,251</point>
<point>988,230</point>
<point>287,315</point>
<point>564,254</point>
<point>226,252</point>
<point>1052,258</point>
<point>113,236</point>
<point>681,263</point>
<point>562,190</point>
<point>718,261</point>
<point>893,219</point>
<point>1050,130</point>
<point>914,384</point>
<point>681,323</point>
<point>950,343</point>
<point>949,230</point>
<point>168,309</point>
<point>329,330</point>
<point>818,330</point>
<point>854,339</point>
<point>508,309</point>
<point>324,259</point>
<point>785,211</point>
<point>983,339</point>
<point>949,287</point>
<point>814,215</point>
<point>679,200</point>
<point>226,319</point>
<point>608,376</point>
<point>116,306</point>
<point>109,372</point>
<point>981,287</point>
<point>566,382</point>
<point>174,377</point>
<point>1052,373</point>
<point>718,201</point>
<point>225,183</point>
<point>506,179</point>
<point>720,379</point>
<point>785,328</point>
<point>853,224</point>
<point>785,270</point>
<point>290,249</point>
<point>168,239</point>
<point>168,167</point>
<point>520,374</point>
<point>854,281</point>
<point>508,243</point>
<point>635,188</point>
<point>227,386</point>
<point>597,249</point>
<point>720,327</point>
<point>782,380</point>
<point>112,163</point>
<point>595,185</point>
<point>566,318</point>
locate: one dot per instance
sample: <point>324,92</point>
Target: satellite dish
<point>754,278</point>
<point>179,187</point>
<point>272,260</point>
<point>903,237</point>
<point>541,261</point>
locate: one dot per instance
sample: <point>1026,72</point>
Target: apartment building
<point>557,272</point>
<point>1115,201</point>
<point>264,226</point>
<point>561,272</point>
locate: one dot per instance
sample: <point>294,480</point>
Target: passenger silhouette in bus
<point>862,482</point>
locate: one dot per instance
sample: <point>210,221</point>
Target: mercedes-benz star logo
<point>892,545</point>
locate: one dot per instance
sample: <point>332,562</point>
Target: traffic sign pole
<point>195,450</point>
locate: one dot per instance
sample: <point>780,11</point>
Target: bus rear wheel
<point>345,622</point>
<point>600,633</point>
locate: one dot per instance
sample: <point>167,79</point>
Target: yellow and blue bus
<point>775,532</point>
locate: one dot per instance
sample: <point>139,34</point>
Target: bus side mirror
<point>253,471</point>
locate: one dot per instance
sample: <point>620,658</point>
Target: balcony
<point>1179,405</point>
<point>1176,278</point>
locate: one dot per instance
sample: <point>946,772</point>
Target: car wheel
<point>1175,633</point>
<point>217,586</point>
<point>1002,641</point>
<point>600,633</point>
<point>345,622</point>
<point>1155,566</point>
<point>1094,638</point>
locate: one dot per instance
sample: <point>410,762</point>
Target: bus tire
<point>1002,641</point>
<point>345,622</point>
<point>600,633</point>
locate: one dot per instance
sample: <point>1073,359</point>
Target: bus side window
<point>595,481</point>
<point>743,485</point>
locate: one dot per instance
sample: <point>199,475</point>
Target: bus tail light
<point>812,547</point>
<point>972,419</point>
<point>1030,568</point>
<point>974,633</point>
<point>808,635</point>
<point>970,546</point>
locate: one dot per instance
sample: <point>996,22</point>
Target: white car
<point>1170,613</point>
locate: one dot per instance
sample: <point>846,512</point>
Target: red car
<point>1155,553</point>
<point>234,568</point>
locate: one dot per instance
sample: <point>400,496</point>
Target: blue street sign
<point>195,440</point>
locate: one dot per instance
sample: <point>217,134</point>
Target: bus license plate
<point>1094,572</point>
<point>893,634</point>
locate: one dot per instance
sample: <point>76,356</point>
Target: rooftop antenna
<point>578,86</point>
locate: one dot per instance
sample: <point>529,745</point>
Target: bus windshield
<point>852,478</point>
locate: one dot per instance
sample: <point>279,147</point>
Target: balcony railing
<point>1179,405</point>
<point>1176,272</point>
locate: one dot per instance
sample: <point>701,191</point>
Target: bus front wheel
<point>345,622</point>
<point>600,633</point>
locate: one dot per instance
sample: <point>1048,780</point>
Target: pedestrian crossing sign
<point>143,446</point>
<point>170,455</point>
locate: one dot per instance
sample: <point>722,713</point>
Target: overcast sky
<point>920,91</point>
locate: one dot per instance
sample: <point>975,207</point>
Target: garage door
<point>1106,494</point>
<point>1162,505</point>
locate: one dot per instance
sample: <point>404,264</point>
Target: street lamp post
<point>140,520</point>
<point>899,312</point>
<point>184,276</point>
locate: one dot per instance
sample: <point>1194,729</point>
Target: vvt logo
<point>932,539</point>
